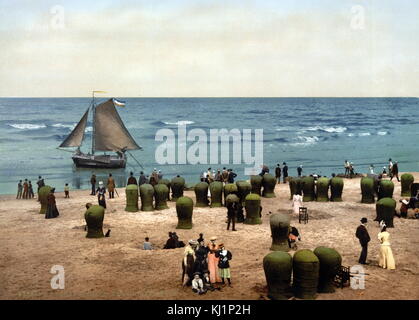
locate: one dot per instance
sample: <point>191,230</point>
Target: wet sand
<point>118,268</point>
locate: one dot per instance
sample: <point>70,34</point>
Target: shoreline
<point>9,196</point>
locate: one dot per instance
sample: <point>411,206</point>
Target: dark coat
<point>285,171</point>
<point>132,180</point>
<point>277,172</point>
<point>52,211</point>
<point>142,180</point>
<point>231,177</point>
<point>362,235</point>
<point>223,262</point>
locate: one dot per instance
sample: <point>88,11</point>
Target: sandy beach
<point>118,268</point>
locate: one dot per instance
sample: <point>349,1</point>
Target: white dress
<point>297,202</point>
<point>385,259</point>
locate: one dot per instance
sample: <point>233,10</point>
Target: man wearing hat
<point>131,179</point>
<point>364,238</point>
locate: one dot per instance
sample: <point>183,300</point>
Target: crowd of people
<point>225,176</point>
<point>207,265</point>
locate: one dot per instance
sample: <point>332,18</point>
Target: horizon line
<point>215,97</point>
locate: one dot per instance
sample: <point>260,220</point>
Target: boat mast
<point>93,121</point>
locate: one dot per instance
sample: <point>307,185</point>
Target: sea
<point>317,133</point>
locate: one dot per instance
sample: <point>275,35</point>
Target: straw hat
<point>405,201</point>
<point>100,183</point>
<point>213,238</point>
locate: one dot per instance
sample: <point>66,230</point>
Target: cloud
<point>207,50</point>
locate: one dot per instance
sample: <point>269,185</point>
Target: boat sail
<point>109,134</point>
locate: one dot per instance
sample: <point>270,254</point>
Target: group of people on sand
<point>225,176</point>
<point>211,264</point>
<point>409,207</point>
<point>25,189</point>
<point>385,258</point>
<point>283,172</point>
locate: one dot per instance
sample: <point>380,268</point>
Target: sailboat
<point>109,134</point>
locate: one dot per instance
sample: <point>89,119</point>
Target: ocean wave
<point>283,129</point>
<point>26,126</point>
<point>327,129</point>
<point>382,133</point>
<point>364,134</point>
<point>60,125</point>
<point>179,123</point>
<point>305,141</point>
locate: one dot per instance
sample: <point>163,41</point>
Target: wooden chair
<point>303,215</point>
<point>342,276</point>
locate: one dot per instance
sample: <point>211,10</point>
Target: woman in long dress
<point>213,261</point>
<point>52,211</point>
<point>386,259</point>
<point>297,202</point>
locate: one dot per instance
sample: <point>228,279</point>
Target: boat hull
<point>99,161</point>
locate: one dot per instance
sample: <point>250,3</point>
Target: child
<point>223,263</point>
<point>67,191</point>
<point>147,244</point>
<point>197,284</point>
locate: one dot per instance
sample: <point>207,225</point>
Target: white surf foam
<point>27,126</point>
<point>60,125</point>
<point>382,133</point>
<point>179,123</point>
<point>327,129</point>
<point>364,134</point>
<point>305,141</point>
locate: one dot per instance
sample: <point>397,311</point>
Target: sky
<point>209,48</point>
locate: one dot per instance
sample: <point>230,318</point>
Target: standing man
<point>111,186</point>
<point>285,172</point>
<point>154,179</point>
<point>346,168</point>
<point>19,190</point>
<point>278,173</point>
<point>299,170</point>
<point>218,176</point>
<point>231,215</point>
<point>224,176</point>
<point>210,177</point>
<point>364,238</point>
<point>231,176</point>
<point>40,184</point>
<point>131,179</point>
<point>25,189</point>
<point>93,183</point>
<point>160,175</point>
<point>395,171</point>
<point>390,168</point>
<point>31,195</point>
<point>142,179</point>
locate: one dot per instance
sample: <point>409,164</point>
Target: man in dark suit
<point>131,179</point>
<point>285,172</point>
<point>278,173</point>
<point>364,238</point>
